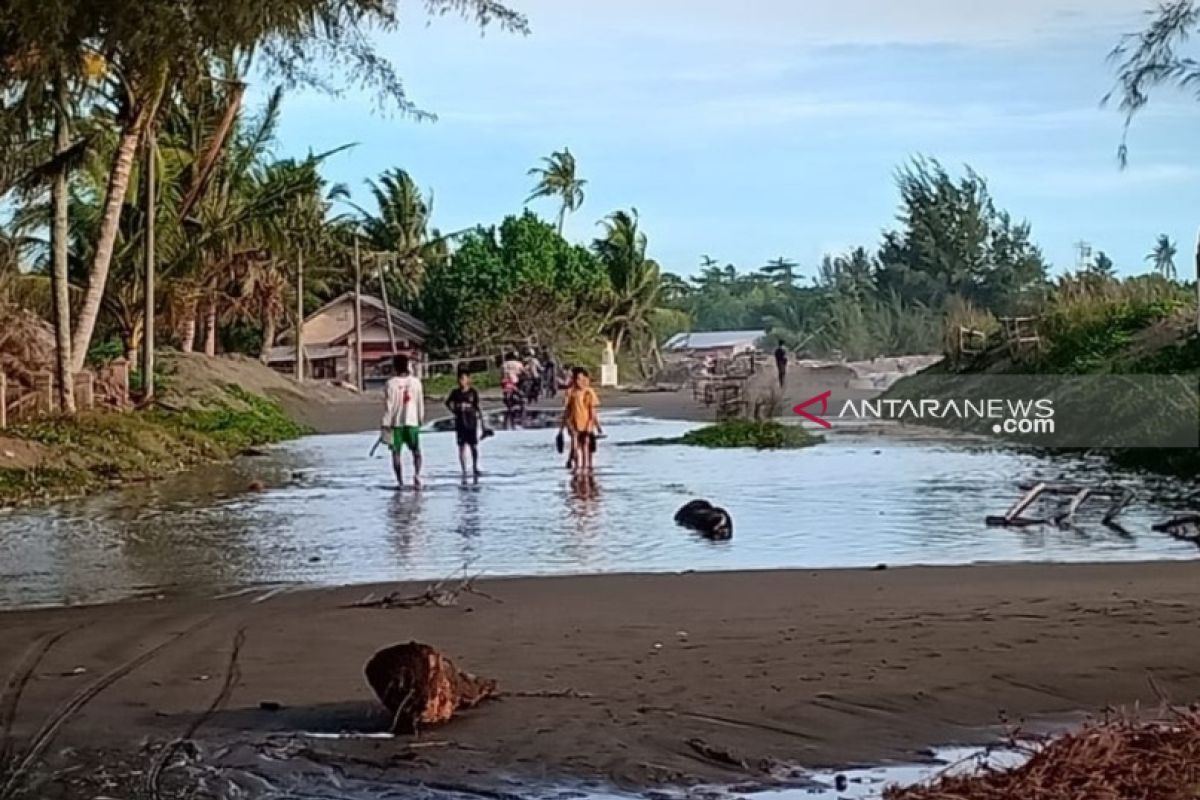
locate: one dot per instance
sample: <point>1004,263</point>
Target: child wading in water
<point>403,415</point>
<point>580,420</point>
<point>463,403</point>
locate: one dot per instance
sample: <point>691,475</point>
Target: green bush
<point>744,433</point>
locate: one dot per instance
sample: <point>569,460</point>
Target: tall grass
<point>1089,320</point>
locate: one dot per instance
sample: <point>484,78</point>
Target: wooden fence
<point>108,388</point>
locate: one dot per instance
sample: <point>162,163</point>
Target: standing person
<point>581,420</point>
<point>781,361</point>
<point>549,375</point>
<point>463,403</point>
<point>533,374</point>
<point>403,415</point>
<point>510,376</point>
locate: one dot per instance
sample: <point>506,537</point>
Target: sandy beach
<point>610,677</point>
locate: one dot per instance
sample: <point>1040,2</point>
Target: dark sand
<point>816,668</point>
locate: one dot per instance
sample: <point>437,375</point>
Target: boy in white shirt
<point>403,415</point>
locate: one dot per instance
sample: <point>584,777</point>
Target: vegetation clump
<point>743,433</point>
<point>1117,758</point>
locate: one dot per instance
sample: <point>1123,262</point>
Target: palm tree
<point>557,178</point>
<point>635,282</point>
<point>1163,257</point>
<point>398,232</point>
<point>782,272</point>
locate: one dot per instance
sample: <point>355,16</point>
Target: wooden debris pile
<point>1112,759</point>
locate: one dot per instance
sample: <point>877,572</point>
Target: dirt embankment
<point>633,679</point>
<point>208,409</point>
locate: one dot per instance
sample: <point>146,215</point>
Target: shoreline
<point>609,677</point>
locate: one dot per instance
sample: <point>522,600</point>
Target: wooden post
<point>358,364</point>
<point>148,325</point>
<point>43,387</point>
<point>85,389</point>
<point>120,373</point>
<point>3,401</point>
<point>300,317</point>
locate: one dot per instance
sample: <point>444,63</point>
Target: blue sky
<point>762,128</point>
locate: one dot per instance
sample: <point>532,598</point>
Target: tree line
<point>147,197</point>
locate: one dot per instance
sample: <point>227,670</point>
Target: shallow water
<point>332,515</point>
<point>282,772</point>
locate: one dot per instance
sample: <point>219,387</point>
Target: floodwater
<point>282,772</point>
<point>331,514</point>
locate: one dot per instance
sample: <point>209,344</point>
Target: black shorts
<point>467,437</point>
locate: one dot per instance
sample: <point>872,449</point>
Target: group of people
<point>526,380</point>
<point>404,414</point>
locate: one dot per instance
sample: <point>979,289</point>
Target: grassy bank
<point>1144,327</point>
<point>62,457</point>
<point>742,433</point>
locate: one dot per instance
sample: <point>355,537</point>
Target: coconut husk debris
<point>420,686</point>
<point>1116,758</point>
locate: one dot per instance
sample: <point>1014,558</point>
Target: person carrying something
<point>781,362</point>
<point>463,403</point>
<point>581,420</point>
<point>403,415</point>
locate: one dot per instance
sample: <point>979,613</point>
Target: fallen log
<point>419,686</point>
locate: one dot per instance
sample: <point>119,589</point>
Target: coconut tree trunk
<point>187,339</point>
<point>59,234</point>
<point>1198,283</point>
<point>132,130</point>
<point>210,328</point>
<point>208,161</point>
<point>268,340</point>
<point>562,219</point>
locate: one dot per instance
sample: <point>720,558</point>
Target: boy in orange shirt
<point>580,419</point>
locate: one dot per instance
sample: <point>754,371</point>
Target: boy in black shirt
<point>463,403</point>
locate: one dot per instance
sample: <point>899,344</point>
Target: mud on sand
<point>618,677</point>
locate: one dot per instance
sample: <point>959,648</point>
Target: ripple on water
<point>332,515</point>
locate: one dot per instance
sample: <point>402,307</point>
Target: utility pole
<point>148,325</point>
<point>358,364</point>
<point>300,317</point>
<point>387,309</point>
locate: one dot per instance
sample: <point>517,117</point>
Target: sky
<point>757,129</point>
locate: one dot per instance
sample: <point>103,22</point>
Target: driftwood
<point>438,595</point>
<point>419,686</point>
<point>1118,496</point>
<point>1185,527</point>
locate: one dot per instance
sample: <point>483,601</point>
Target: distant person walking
<point>581,420</point>
<point>403,415</point>
<point>781,363</point>
<point>463,403</point>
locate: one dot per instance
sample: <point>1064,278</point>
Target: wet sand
<point>609,677</point>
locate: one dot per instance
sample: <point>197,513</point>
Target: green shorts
<point>406,436</point>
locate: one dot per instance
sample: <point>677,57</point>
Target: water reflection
<point>333,515</point>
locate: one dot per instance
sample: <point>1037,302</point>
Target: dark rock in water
<point>420,686</point>
<point>269,705</point>
<point>841,783</point>
<point>705,518</point>
<point>256,486</point>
